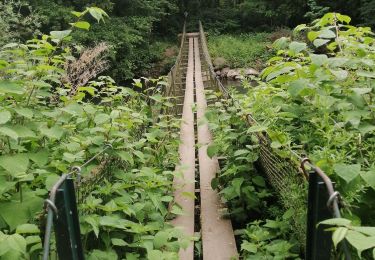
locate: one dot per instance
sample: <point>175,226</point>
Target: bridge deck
<point>217,233</point>
<point>186,184</point>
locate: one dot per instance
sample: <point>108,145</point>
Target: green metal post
<point>67,231</point>
<point>318,242</point>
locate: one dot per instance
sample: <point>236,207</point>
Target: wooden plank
<point>217,233</point>
<point>186,184</point>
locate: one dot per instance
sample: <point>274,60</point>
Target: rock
<point>249,72</point>
<point>239,77</point>
<point>218,73</point>
<point>219,62</point>
<point>233,73</point>
<point>224,72</point>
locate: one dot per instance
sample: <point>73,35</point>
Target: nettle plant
<point>244,190</point>
<point>319,97</point>
<point>44,131</point>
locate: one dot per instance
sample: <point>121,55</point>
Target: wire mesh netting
<point>283,174</point>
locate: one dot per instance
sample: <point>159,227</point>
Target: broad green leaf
<point>8,132</point>
<point>5,116</point>
<point>212,150</point>
<point>366,74</point>
<point>339,235</point>
<point>259,180</point>
<point>312,35</point>
<point>249,247</point>
<point>97,13</point>
<point>54,132</point>
<point>327,33</point>
<point>360,241</point>
<point>336,222</point>
<point>369,178</point>
<point>15,165</point>
<point>126,156</point>
<point>101,119</point>
<point>297,47</point>
<point>118,242</point>
<point>102,255</point>
<point>40,157</point>
<point>25,112</point>
<point>51,181</point>
<point>365,128</point>
<point>318,59</point>
<point>26,210</point>
<point>160,239</point>
<point>81,25</point>
<point>340,74</point>
<point>94,222</point>
<point>320,42</point>
<point>155,255</point>
<point>23,131</point>
<point>77,14</point>
<point>9,87</point>
<point>369,231</point>
<point>27,229</point>
<point>347,172</point>
<point>60,35</point>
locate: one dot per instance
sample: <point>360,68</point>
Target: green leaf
<point>336,222</point>
<point>259,180</point>
<point>51,181</point>
<point>340,74</point>
<point>118,242</point>
<point>97,13</point>
<point>360,241</point>
<point>318,59</point>
<point>9,87</point>
<point>94,224</point>
<point>81,25</point>
<point>339,235</point>
<point>369,178</point>
<point>249,247</point>
<point>25,112</point>
<point>160,239</point>
<point>54,132</point>
<point>212,150</point>
<point>9,132</point>
<point>327,33</point>
<point>155,255</point>
<point>102,255</point>
<point>27,229</point>
<point>101,119</point>
<point>312,35</point>
<point>60,35</point>
<point>297,47</point>
<point>5,116</point>
<point>347,172</point>
<point>77,14</point>
<point>15,165</point>
<point>40,157</point>
<point>23,131</point>
<point>126,156</point>
<point>320,42</point>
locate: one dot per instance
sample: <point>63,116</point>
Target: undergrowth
<point>263,227</point>
<point>241,51</point>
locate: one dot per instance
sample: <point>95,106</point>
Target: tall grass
<point>240,51</point>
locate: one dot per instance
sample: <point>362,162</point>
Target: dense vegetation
<point>138,32</point>
<point>321,91</point>
<point>47,125</point>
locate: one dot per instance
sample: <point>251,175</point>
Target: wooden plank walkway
<point>217,233</point>
<point>218,240</point>
<point>186,184</point>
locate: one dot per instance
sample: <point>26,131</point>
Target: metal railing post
<point>318,241</point>
<point>66,223</point>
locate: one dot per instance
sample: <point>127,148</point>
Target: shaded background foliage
<point>139,31</point>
